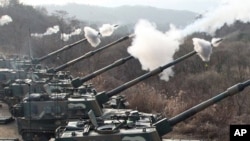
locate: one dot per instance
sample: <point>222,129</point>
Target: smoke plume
<point>92,36</point>
<point>227,13</point>
<point>49,31</point>
<point>5,19</point>
<point>204,48</point>
<point>154,48</point>
<point>107,29</point>
<point>65,37</point>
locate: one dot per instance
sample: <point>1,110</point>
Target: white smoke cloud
<point>227,13</point>
<point>107,29</point>
<point>154,48</point>
<point>216,42</point>
<point>4,3</point>
<point>65,37</point>
<point>204,48</point>
<point>92,36</point>
<point>5,19</point>
<point>49,31</point>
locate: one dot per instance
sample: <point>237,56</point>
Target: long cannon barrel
<point>104,96</point>
<point>147,75</point>
<point>165,125</point>
<point>59,50</point>
<point>79,81</point>
<point>89,54</point>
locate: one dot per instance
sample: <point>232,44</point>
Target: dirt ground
<point>8,130</point>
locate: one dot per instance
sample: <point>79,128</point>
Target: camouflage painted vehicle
<point>62,82</point>
<point>40,114</point>
<point>7,76</point>
<point>12,93</point>
<point>17,90</point>
<point>82,105</point>
<point>60,78</point>
<point>15,62</point>
<point>6,63</point>
<point>135,129</point>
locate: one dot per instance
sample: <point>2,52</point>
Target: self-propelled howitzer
<point>39,114</point>
<point>15,62</point>
<point>95,102</point>
<point>123,130</point>
<point>61,110</point>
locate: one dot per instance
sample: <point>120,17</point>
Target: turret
<point>79,81</point>
<point>95,102</point>
<point>103,97</point>
<point>37,60</point>
<point>137,128</point>
<point>88,54</point>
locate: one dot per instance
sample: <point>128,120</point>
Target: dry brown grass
<point>210,124</point>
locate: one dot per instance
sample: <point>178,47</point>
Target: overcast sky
<point>199,6</point>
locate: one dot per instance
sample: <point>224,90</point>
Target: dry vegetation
<point>194,80</point>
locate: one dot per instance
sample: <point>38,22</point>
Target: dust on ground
<point>8,130</point>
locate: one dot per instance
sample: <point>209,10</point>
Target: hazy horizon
<point>190,5</point>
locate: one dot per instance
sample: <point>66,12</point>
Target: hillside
<point>194,80</point>
<point>125,14</point>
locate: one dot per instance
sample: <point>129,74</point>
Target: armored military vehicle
<point>17,68</point>
<point>55,76</point>
<point>13,90</point>
<point>41,114</point>
<point>14,61</point>
<point>135,129</point>
<point>31,114</point>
